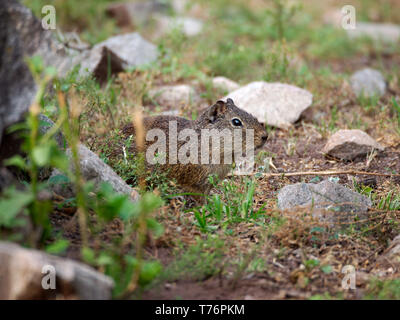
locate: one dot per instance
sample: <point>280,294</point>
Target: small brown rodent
<point>193,177</point>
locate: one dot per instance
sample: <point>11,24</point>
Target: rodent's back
<point>158,122</point>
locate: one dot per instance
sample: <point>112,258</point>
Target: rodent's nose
<point>264,138</point>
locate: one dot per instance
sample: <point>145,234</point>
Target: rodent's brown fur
<point>194,177</point>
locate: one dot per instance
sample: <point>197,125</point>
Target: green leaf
<point>315,179</point>
<point>326,268</point>
<point>65,87</point>
<point>16,161</point>
<point>156,227</point>
<point>58,179</point>
<point>57,247</point>
<point>41,155</point>
<point>149,271</point>
<point>58,159</point>
<point>36,64</point>
<point>11,204</point>
<point>88,255</point>
<point>150,202</point>
<point>311,263</point>
<point>51,71</point>
<point>104,259</point>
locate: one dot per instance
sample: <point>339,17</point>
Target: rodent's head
<point>224,115</point>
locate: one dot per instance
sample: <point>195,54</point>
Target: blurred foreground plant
<point>98,209</point>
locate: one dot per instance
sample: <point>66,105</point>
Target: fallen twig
<point>319,173</point>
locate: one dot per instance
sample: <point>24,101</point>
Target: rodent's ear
<point>230,101</point>
<point>216,110</point>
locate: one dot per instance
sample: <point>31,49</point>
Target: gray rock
<point>368,82</point>
<point>22,36</point>
<point>350,144</point>
<point>384,32</point>
<point>391,256</point>
<point>225,84</point>
<point>21,276</point>
<point>276,104</point>
<point>94,169</point>
<point>330,202</point>
<point>117,54</point>
<point>173,96</point>
<point>189,26</point>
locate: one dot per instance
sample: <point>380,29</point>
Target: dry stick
<point>321,173</point>
<point>142,228</point>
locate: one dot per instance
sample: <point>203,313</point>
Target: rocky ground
<point>324,197</point>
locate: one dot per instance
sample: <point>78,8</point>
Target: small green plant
<point>390,201</point>
<point>97,207</point>
<point>334,119</point>
<point>396,109</point>
<point>383,290</point>
<point>277,63</point>
<point>127,269</point>
<point>368,103</point>
<point>232,207</point>
<point>41,151</point>
<point>282,15</point>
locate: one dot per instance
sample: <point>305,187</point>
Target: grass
<point>84,17</point>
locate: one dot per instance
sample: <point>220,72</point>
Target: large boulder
<point>116,54</point>
<point>225,84</point>
<point>23,272</point>
<point>21,36</point>
<point>93,169</point>
<point>276,104</point>
<point>350,144</point>
<point>368,83</point>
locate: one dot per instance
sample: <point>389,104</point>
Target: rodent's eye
<point>236,122</point>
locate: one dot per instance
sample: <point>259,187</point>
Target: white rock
<point>225,84</point>
<point>385,32</point>
<point>21,276</point>
<point>94,169</point>
<point>276,104</point>
<point>173,96</point>
<point>127,50</point>
<point>368,82</point>
<point>179,6</point>
<point>188,25</point>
